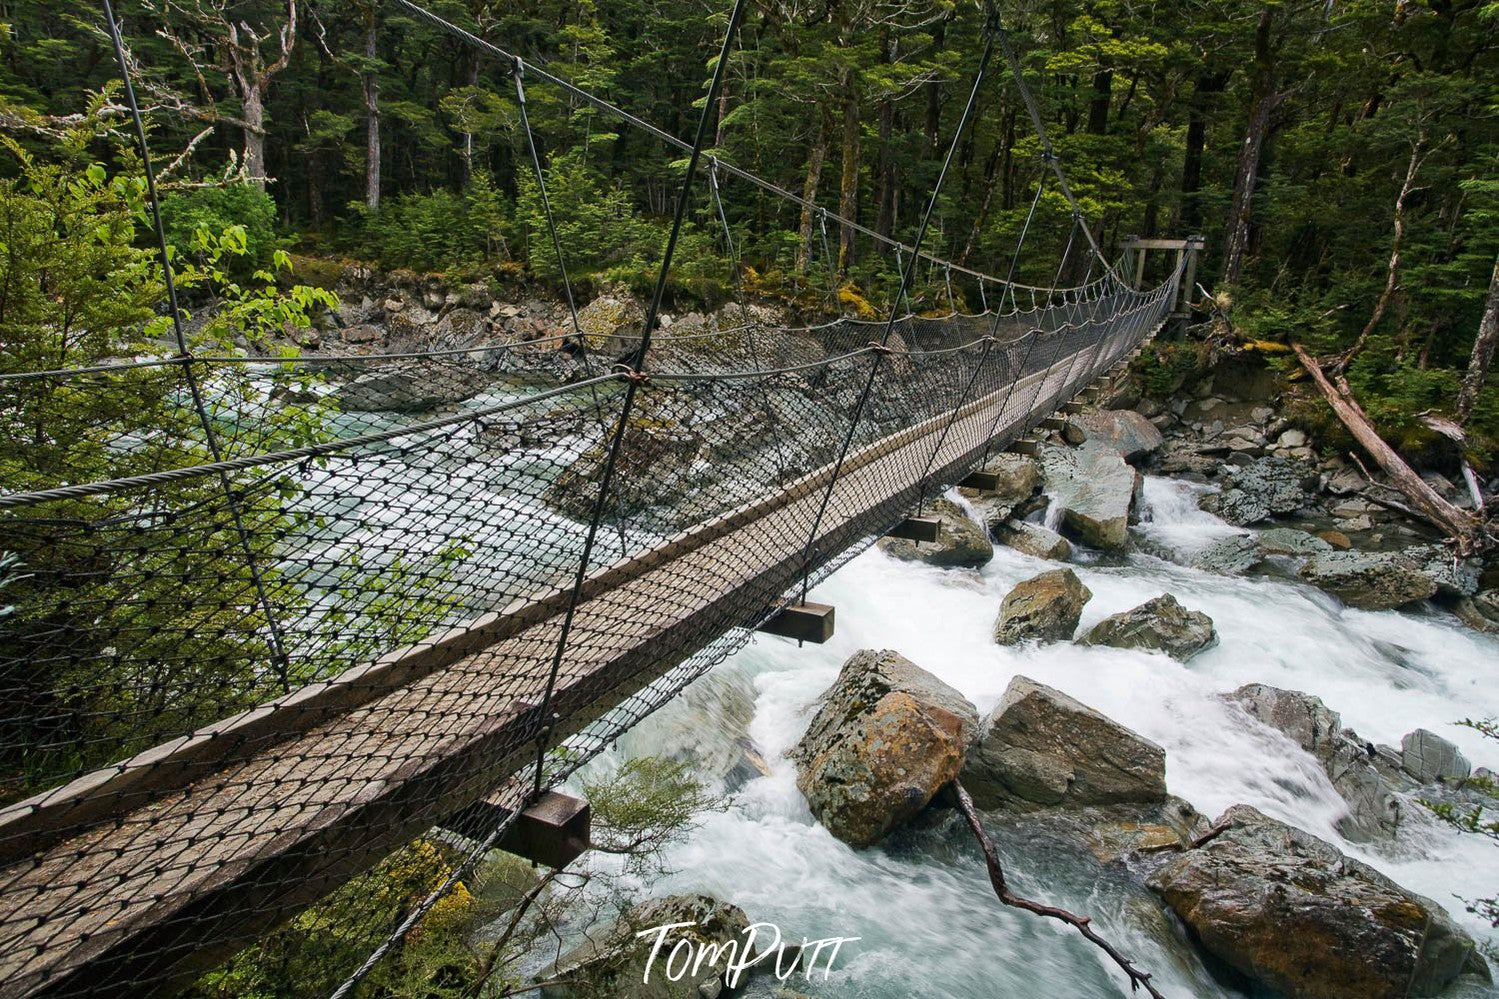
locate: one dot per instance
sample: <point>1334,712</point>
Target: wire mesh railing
<point>275,618</point>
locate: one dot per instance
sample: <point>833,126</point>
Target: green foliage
<point>1477,819</point>
<point>80,290</point>
<point>440,231</point>
<point>217,209</point>
<point>312,955</point>
<point>644,806</point>
<point>1166,365</point>
<point>596,225</point>
<point>455,950</point>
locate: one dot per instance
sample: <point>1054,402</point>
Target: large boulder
<point>1296,914</point>
<point>962,543</point>
<point>1128,433</point>
<point>1095,490</point>
<point>1262,488</point>
<point>614,961</point>
<point>1430,759</point>
<point>1369,580</point>
<point>1045,607</point>
<point>612,323</point>
<point>658,453</point>
<point>886,738</point>
<point>410,387</point>
<point>1040,748</point>
<point>1032,539</point>
<point>1374,810</point>
<point>1159,625</point>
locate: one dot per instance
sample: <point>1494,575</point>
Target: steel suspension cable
<point>635,377</point>
<point>895,305</point>
<point>1019,243</point>
<point>1060,332</point>
<point>277,641</point>
<point>579,339</point>
<point>999,314</point>
<point>737,263</point>
<point>1032,338</point>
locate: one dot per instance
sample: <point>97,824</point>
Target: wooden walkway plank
<point>261,826</point>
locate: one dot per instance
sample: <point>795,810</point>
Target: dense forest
<point>1341,161</point>
<point>1339,158</point>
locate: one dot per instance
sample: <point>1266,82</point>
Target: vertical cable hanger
<point>883,348</point>
<point>579,340</point>
<point>635,376</point>
<point>195,390</point>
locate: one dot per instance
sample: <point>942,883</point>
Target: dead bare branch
<point>1082,924</point>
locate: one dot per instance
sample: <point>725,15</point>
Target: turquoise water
<point>921,902</point>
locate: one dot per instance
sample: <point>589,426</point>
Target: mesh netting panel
<point>264,648</point>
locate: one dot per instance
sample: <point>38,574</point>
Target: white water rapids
<point>929,923</point>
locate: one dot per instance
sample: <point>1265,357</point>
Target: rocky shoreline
<point>1278,905</point>
<point>1283,908</point>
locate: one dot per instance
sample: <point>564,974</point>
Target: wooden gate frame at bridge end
<point>1135,250</point>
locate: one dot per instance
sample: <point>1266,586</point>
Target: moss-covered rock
<point>886,738</point>
<point>1292,912</point>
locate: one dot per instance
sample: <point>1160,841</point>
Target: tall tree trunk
<point>371,114</point>
<point>1392,269</point>
<point>817,155</point>
<point>252,78</point>
<point>886,177</point>
<point>468,137</point>
<point>1483,350</point>
<point>848,185</point>
<point>1208,85</point>
<point>1098,109</point>
<point>253,112</point>
<point>1263,104</point>
<point>979,219</point>
<point>934,90</point>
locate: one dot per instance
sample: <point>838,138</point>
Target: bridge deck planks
<point>172,887</point>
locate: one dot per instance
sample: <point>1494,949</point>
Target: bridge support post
<point>553,830</point>
<point>917,529</point>
<point>805,622</point>
<point>1135,249</point>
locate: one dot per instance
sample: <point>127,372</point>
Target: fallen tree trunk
<point>1461,526</point>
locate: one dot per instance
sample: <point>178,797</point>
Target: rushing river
<point>921,904</point>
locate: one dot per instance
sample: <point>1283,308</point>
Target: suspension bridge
<point>252,661</point>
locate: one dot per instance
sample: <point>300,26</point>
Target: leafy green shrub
<point>440,231</point>
<point>596,226</point>
<point>185,213</point>
<point>1165,366</point>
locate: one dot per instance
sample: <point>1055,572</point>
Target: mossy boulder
<point>886,738</point>
<point>1045,608</point>
<point>1295,914</point>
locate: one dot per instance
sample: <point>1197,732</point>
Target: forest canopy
<point>1339,157</point>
